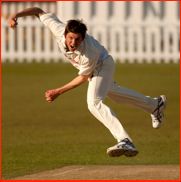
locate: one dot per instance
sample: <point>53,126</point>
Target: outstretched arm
<point>53,94</point>
<point>27,12</point>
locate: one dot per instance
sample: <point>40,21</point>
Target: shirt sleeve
<point>88,66</point>
<point>52,22</point>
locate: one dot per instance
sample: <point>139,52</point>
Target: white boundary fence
<point>140,34</point>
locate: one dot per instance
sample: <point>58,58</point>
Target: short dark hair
<point>76,26</point>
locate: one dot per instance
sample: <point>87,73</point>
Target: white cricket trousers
<point>103,85</point>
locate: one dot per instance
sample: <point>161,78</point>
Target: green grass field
<point>37,135</point>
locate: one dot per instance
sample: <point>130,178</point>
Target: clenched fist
<point>51,95</point>
<point>13,22</point>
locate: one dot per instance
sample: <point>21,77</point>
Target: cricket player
<point>95,65</point>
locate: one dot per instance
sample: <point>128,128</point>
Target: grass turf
<point>37,135</point>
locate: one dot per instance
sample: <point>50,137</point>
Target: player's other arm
<point>53,94</point>
<point>27,12</point>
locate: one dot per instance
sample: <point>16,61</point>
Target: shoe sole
<point>164,98</point>
<point>120,152</point>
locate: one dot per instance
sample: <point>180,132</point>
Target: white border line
<point>68,171</point>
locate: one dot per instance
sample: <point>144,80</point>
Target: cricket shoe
<point>124,147</point>
<point>157,115</point>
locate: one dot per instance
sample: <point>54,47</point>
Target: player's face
<point>73,41</point>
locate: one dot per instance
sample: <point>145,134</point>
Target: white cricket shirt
<point>86,57</point>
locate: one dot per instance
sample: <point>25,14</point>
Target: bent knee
<point>94,105</point>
